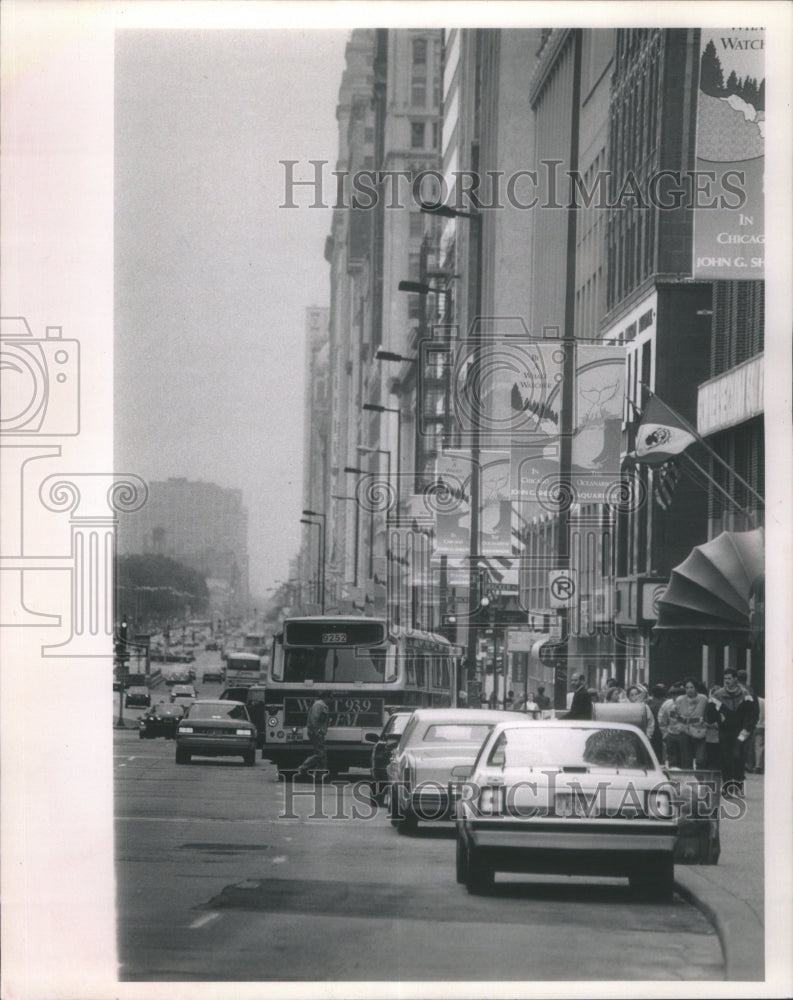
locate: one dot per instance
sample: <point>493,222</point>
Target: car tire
<point>249,758</point>
<point>655,879</point>
<point>461,859</point>
<point>141,735</point>
<point>408,823</point>
<point>182,756</point>
<point>479,875</point>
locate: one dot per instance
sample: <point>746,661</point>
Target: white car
<point>435,741</point>
<point>568,797</point>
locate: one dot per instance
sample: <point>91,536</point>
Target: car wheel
<point>408,822</point>
<point>479,875</point>
<point>462,860</point>
<point>141,735</point>
<point>655,879</point>
<point>182,756</point>
<point>249,758</point>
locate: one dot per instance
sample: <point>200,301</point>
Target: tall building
<point>203,526</point>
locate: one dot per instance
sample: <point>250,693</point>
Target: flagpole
<point>720,488</point>
<point>704,443</point>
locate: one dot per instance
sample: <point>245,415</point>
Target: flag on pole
<point>660,434</point>
<point>666,478</point>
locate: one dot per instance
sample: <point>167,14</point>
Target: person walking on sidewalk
<point>736,713</point>
<point>669,724</point>
<point>317,726</point>
<point>758,740</point>
<point>690,709</point>
<point>581,702</point>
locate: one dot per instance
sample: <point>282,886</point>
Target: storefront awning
<point>714,587</point>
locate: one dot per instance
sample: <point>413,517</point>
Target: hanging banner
<point>495,505</point>
<point>729,226</point>
<point>598,401</point>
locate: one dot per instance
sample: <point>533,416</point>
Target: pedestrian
<point>462,698</point>
<point>690,709</point>
<point>581,702</point>
<point>542,699</point>
<point>654,702</point>
<point>637,695</point>
<point>736,712</point>
<point>758,739</point>
<point>712,753</point>
<point>530,707</point>
<point>611,683</point>
<point>317,726</point>
<point>616,692</point>
<point>670,726</point>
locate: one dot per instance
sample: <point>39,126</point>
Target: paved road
<point>217,883</point>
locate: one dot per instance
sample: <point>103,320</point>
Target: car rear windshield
<point>474,734</point>
<point>578,746</point>
<point>217,710</point>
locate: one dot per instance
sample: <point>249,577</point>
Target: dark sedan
<point>160,720</point>
<point>382,750</point>
<point>216,729</point>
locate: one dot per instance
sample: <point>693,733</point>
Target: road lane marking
<point>279,860</point>
<point>203,921</point>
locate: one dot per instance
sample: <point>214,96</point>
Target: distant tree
<point>734,84</point>
<point>163,587</point>
<point>749,90</point>
<point>711,77</point>
<point>760,102</point>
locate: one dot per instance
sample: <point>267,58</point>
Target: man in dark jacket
<point>735,711</point>
<point>317,726</point>
<point>581,705</point>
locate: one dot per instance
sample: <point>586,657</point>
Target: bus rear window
<point>339,666</point>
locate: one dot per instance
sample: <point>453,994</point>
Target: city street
<point>214,884</point>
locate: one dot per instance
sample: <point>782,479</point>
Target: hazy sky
<point>212,277</point>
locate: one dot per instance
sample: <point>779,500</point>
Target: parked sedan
<point>216,729</point>
<point>435,741</point>
<point>568,797</point>
<point>384,748</point>
<point>160,720</point>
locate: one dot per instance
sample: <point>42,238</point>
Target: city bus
<point>365,668</point>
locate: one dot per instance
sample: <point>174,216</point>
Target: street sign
<point>561,587</point>
<point>520,640</point>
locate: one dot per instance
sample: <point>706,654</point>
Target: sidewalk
<point>732,893</point>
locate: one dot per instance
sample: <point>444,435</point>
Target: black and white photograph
<point>396,442</point>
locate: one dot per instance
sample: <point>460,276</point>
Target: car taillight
<point>660,805</point>
<point>492,800</point>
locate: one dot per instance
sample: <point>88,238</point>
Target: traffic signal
<point>121,641</point>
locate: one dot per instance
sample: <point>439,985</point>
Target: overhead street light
<point>391,356</point>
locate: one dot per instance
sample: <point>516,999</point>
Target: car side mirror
<point>371,738</point>
<point>463,771</point>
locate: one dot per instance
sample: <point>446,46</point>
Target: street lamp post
<point>357,532</point>
<point>475,301</point>
<point>372,451</point>
<point>323,531</point>
<point>377,408</point>
<point>320,556</point>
